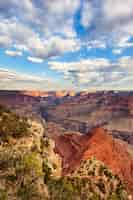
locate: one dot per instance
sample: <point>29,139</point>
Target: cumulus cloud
<point>34,24</point>
<point>56,45</point>
<point>82,65</point>
<point>110,22</point>
<point>8,8</point>
<point>25,39</point>
<point>121,10</point>
<point>87,13</point>
<point>17,32</point>
<point>96,44</point>
<point>95,72</point>
<point>126,62</point>
<point>52,46</point>
<point>5,41</point>
<point>117,51</point>
<point>13,53</point>
<point>35,59</point>
<point>123,42</point>
<point>43,28</point>
<point>13,80</point>
<point>8,75</point>
<point>58,14</point>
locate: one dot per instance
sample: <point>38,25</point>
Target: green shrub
<point>3,194</point>
<point>47,171</point>
<point>28,192</point>
<point>102,180</point>
<point>100,184</point>
<point>30,164</point>
<point>7,159</point>
<point>11,177</point>
<point>12,125</point>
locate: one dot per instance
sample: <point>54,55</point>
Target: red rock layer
<point>73,148</point>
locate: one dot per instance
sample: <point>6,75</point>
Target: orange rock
<point>60,93</point>
<point>74,148</point>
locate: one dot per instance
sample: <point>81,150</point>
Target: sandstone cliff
<point>115,154</point>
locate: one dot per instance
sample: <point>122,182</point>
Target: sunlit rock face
<point>60,93</point>
<point>35,93</point>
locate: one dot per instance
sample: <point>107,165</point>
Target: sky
<point>66,44</point>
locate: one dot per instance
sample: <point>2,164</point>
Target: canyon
<point>80,112</point>
<point>83,125</point>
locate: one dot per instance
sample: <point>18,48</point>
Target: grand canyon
<point>66,100</point>
<point>80,127</point>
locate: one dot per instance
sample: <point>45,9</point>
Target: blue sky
<point>73,45</point>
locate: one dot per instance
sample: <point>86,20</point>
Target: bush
<point>7,158</point>
<point>30,165</point>
<point>47,172</point>
<point>72,188</point>
<point>12,125</point>
<point>28,192</point>
<point>3,194</point>
<point>102,180</point>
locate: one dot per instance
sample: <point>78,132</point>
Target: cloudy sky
<point>66,44</point>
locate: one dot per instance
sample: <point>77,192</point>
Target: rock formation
<point>115,154</point>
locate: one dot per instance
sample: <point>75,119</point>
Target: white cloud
<point>117,51</point>
<point>58,14</point>
<point>13,53</point>
<point>96,44</point>
<point>52,46</point>
<point>126,62</point>
<point>124,42</point>
<point>35,59</point>
<point>87,13</point>
<point>20,47</point>
<point>5,41</point>
<point>117,21</point>
<point>118,10</point>
<point>8,75</point>
<point>12,80</point>
<point>29,26</point>
<point>43,28</point>
<point>82,65</point>
<point>95,72</point>
<point>25,39</point>
<point>57,45</point>
<point>60,8</point>
<point>110,22</point>
<point>16,32</point>
<point>91,71</point>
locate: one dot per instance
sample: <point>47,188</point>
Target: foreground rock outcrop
<point>115,154</point>
<point>27,157</point>
<point>92,180</point>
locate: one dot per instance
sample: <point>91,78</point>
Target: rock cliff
<point>115,154</point>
